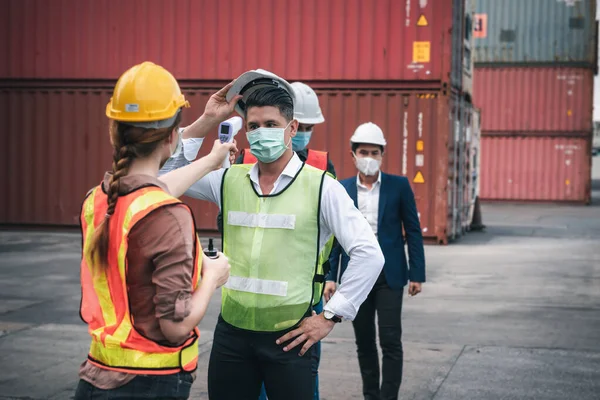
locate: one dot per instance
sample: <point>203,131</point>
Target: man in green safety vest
<point>307,112</point>
<point>278,217</point>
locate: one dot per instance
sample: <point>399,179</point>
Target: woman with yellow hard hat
<point>145,281</point>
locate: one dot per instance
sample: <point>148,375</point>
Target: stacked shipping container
<point>65,58</point>
<point>535,65</point>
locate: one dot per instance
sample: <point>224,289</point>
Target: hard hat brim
<point>311,121</point>
<point>243,85</point>
<point>375,142</point>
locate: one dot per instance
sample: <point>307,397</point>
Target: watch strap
<point>335,318</point>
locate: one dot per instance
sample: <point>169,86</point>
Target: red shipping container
<point>550,99</point>
<point>59,148</point>
<point>409,40</point>
<point>540,168</point>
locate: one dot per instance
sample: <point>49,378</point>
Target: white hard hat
<point>250,81</point>
<point>306,105</point>
<point>368,133</point>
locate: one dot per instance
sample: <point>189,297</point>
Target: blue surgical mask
<point>267,144</point>
<point>300,141</point>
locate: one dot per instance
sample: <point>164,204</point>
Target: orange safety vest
<point>315,158</point>
<point>116,344</point>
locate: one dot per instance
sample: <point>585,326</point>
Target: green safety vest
<point>272,242</point>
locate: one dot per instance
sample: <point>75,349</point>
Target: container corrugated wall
<point>458,35</point>
<point>59,148</point>
<point>535,168</point>
<point>474,162</point>
<point>549,99</point>
<point>218,40</point>
<point>468,46</point>
<point>535,31</point>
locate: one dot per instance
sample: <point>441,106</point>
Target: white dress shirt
<point>368,201</point>
<point>338,217</point>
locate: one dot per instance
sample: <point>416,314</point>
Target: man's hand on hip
<point>414,288</point>
<point>310,331</point>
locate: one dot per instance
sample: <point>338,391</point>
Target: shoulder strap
<point>248,157</point>
<point>317,159</point>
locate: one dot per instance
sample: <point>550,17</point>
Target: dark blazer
<point>397,209</point>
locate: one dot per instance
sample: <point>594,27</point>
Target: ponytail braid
<point>99,246</point>
<point>121,161</point>
<point>128,143</point>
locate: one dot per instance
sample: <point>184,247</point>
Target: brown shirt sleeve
<point>166,239</point>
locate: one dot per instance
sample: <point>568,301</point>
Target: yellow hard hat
<point>146,95</point>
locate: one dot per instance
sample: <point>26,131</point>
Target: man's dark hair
<point>355,147</point>
<point>273,97</point>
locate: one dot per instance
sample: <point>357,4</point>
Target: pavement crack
<point>449,371</point>
<point>28,306</point>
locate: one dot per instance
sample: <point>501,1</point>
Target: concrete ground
<point>510,313</point>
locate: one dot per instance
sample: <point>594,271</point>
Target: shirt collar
<point>377,182</point>
<point>291,169</point>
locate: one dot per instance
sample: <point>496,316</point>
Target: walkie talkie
<point>211,252</point>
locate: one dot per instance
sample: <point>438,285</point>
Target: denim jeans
<point>316,357</point>
<point>169,387</point>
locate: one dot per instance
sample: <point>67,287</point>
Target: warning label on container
<point>421,52</point>
<point>415,67</point>
<point>569,3</point>
<point>480,26</point>
<point>422,21</point>
<point>420,145</point>
<point>419,178</point>
<point>420,160</point>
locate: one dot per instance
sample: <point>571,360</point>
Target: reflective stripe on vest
<point>315,158</point>
<point>272,244</point>
<point>116,345</point>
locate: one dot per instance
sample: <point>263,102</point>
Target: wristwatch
<point>332,317</point>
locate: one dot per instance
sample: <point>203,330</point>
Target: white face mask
<point>178,144</point>
<point>367,165</point>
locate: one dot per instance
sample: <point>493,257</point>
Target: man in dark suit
<point>388,203</point>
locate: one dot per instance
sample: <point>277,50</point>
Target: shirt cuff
<point>174,306</point>
<point>191,147</point>
<point>339,305</point>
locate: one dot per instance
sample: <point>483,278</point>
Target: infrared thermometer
<point>227,131</point>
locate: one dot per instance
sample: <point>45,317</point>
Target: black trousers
<point>388,305</point>
<point>241,360</point>
<point>163,387</point>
